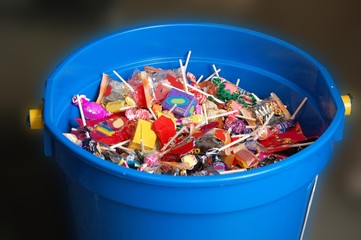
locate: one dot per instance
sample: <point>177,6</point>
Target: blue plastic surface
<point>113,202</point>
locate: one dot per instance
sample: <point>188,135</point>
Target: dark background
<point>37,34</point>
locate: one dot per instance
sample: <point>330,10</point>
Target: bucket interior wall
<point>262,63</point>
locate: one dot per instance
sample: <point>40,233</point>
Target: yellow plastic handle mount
<point>35,117</point>
<point>347,101</point>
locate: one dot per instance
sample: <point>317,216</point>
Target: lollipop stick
<point>234,142</point>
<point>119,144</point>
<point>142,145</point>
<point>212,75</point>
<point>82,114</point>
<point>170,86</point>
<point>222,114</point>
<point>215,70</point>
<point>204,93</point>
<point>130,151</point>
<point>185,82</point>
<point>187,60</point>
<point>172,109</point>
<point>125,108</point>
<point>205,113</point>
<point>298,109</point>
<point>153,114</point>
<point>122,79</point>
<point>244,117</point>
<point>199,79</point>
<point>233,171</point>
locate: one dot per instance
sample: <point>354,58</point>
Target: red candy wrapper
<point>282,141</point>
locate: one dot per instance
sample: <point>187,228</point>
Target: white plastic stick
<point>199,79</point>
<point>212,75</point>
<point>122,79</point>
<point>238,135</point>
<point>126,149</point>
<point>299,108</point>
<point>237,82</point>
<point>125,108</point>
<point>82,113</point>
<point>299,144</point>
<point>207,94</point>
<point>185,82</point>
<point>187,60</point>
<point>247,118</point>
<point>172,109</point>
<point>234,142</point>
<point>215,70</point>
<point>141,145</point>
<point>119,144</point>
<point>222,114</point>
<point>233,171</point>
<point>170,86</point>
<point>153,114</point>
<point>205,113</point>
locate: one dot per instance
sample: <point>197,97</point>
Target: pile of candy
<point>169,122</point>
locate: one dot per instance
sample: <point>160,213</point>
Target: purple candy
<point>237,126</point>
<point>91,110</point>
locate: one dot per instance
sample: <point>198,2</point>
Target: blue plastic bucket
<point>113,202</point>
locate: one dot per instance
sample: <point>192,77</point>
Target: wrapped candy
<point>91,110</point>
<point>166,121</point>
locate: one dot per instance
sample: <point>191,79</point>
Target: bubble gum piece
<point>164,128</point>
<point>145,134</point>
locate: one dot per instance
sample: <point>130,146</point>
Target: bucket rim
<point>327,137</point>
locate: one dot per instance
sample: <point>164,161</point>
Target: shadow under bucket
<point>271,202</point>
